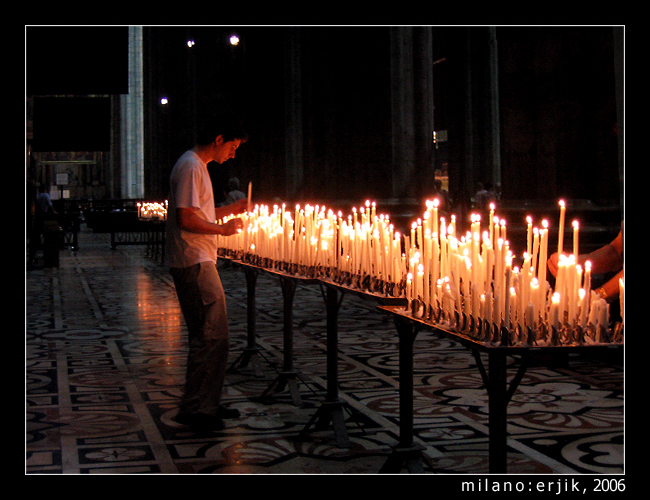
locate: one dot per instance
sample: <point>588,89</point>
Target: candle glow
<point>463,281</point>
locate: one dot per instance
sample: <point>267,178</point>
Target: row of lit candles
<point>153,210</point>
<point>462,281</point>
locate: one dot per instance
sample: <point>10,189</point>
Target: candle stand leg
<point>288,376</point>
<point>250,353</point>
<point>407,453</point>
<point>331,410</point>
<point>499,395</point>
<point>498,418</point>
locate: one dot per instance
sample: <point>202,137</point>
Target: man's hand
<point>233,226</point>
<point>553,263</point>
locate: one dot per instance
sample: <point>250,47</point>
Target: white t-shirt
<point>190,186</point>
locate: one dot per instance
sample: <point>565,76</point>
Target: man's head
<point>222,134</point>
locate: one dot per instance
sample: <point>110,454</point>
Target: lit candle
<point>435,216</point>
<point>543,254</point>
<point>535,297</point>
<point>413,228</point>
<point>490,227</point>
<point>535,255</point>
<point>575,293</point>
<point>541,275</point>
<point>575,238</point>
<point>621,297</point>
<point>529,235</point>
<point>560,234</point>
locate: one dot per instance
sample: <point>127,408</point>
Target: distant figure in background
<point>234,194</point>
<point>42,209</point>
<point>484,196</point>
<point>441,195</point>
<point>43,202</point>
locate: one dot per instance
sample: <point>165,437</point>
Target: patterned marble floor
<point>105,355</point>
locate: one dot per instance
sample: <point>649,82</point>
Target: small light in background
<point>164,101</point>
<point>234,40</point>
<point>190,43</point>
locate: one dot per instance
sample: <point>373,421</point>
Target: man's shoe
<point>200,421</point>
<point>224,412</point>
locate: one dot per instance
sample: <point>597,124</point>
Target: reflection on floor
<point>105,353</point>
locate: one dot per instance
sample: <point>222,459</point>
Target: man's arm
<point>188,220</point>
<point>236,207</point>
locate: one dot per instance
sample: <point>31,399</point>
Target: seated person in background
<point>234,193</point>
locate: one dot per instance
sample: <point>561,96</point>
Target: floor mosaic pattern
<point>105,356</point>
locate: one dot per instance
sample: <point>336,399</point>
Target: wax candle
<point>435,216</point>
<point>529,235</point>
<point>543,253</point>
<point>594,307</point>
<point>496,309</point>
<point>409,289</point>
<point>530,315</point>
<point>490,221</point>
<point>507,298</point>
<point>583,298</point>
<point>535,255</point>
<point>489,307</point>
<point>535,296</point>
<point>575,238</point>
<point>575,290</point>
<point>621,298</point>
<point>476,303</point>
<point>554,313</point>
<point>560,234</point>
<point>513,320</point>
<point>422,289</point>
<point>603,316</point>
<point>414,226</point>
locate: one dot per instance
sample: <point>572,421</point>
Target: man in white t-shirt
<point>191,253</point>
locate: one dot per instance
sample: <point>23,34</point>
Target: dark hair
<point>225,124</point>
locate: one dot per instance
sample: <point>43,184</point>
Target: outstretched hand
<point>552,263</point>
